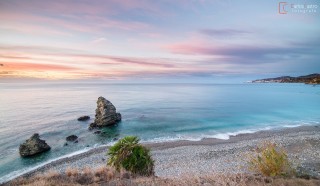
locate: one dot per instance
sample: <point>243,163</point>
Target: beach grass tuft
<point>270,160</point>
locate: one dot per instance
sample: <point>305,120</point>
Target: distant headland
<point>307,79</point>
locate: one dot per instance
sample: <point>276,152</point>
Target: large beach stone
<point>32,146</point>
<point>106,114</point>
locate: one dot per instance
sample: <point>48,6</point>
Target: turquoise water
<point>154,112</point>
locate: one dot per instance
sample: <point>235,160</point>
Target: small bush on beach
<point>128,154</point>
<point>270,160</point>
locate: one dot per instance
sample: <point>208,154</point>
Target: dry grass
<point>270,160</point>
<point>227,180</point>
<point>72,176</point>
<point>108,176</point>
<point>71,172</point>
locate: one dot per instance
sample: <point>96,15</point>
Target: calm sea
<point>154,112</point>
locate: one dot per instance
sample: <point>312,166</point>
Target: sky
<point>158,40</point>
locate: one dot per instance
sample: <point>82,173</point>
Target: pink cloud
<point>56,55</point>
<point>33,29</point>
<point>27,21</point>
<point>32,63</point>
<point>30,21</point>
<point>102,22</point>
<point>99,40</point>
<point>58,7</point>
<point>191,48</point>
<point>36,66</point>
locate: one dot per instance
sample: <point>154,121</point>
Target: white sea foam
<point>162,139</point>
<point>223,135</point>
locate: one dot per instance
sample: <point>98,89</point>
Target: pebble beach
<point>208,156</point>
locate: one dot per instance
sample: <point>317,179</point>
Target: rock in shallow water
<point>106,114</point>
<point>71,138</point>
<point>34,145</point>
<point>83,118</point>
<point>97,132</point>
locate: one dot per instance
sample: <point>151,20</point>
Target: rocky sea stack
<point>34,145</point>
<point>106,114</point>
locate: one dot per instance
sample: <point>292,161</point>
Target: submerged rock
<point>92,126</point>
<point>97,132</point>
<point>72,138</point>
<point>83,118</point>
<point>32,146</point>
<point>106,114</point>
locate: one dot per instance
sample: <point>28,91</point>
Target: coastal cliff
<point>307,79</point>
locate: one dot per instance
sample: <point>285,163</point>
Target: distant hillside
<point>308,79</point>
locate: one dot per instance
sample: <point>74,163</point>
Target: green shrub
<point>128,154</point>
<point>270,161</point>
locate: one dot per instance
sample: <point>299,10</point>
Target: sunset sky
<point>154,39</point>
